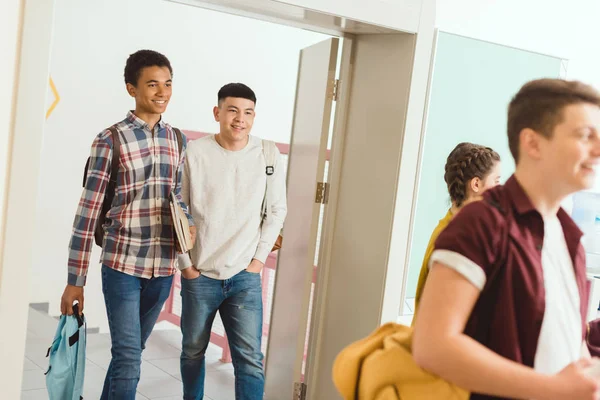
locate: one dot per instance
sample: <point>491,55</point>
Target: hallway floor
<point>160,378</point>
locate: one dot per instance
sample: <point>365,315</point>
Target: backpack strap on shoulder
<point>110,190</point>
<point>116,154</point>
<point>178,134</point>
<point>85,170</point>
<point>270,158</point>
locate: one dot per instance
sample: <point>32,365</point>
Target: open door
<point>295,271</point>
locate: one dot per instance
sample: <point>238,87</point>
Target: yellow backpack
<point>381,367</point>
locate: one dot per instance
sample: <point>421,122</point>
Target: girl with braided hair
<point>470,170</point>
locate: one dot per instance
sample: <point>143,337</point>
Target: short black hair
<point>142,59</point>
<point>235,90</point>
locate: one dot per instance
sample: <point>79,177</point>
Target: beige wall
<point>27,56</point>
<point>11,15</point>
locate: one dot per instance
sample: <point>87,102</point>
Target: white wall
<point>568,30</point>
<point>91,43</point>
<point>564,29</point>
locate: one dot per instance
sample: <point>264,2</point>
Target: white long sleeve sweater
<point>225,191</point>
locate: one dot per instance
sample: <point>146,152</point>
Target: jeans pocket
<point>190,280</point>
<point>252,273</point>
<point>184,279</point>
<point>192,286</point>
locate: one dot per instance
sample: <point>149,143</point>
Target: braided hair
<point>465,162</point>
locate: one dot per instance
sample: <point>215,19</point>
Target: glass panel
<point>473,82</point>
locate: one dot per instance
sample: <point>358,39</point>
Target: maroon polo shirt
<point>504,234</point>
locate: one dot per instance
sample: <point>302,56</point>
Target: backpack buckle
<point>270,170</point>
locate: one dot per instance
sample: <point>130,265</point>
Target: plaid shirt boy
<point>139,239</point>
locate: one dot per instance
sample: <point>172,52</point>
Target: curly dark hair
<point>142,59</point>
<point>465,162</point>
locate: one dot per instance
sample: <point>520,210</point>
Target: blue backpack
<point>66,370</point>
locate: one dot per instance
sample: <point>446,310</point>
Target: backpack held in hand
<point>109,193</point>
<point>270,153</point>
<point>66,366</point>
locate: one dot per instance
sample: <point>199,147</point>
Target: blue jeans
<point>239,302</point>
<point>132,305</point>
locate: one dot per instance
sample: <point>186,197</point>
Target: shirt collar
<point>519,198</point>
<point>523,205</point>
<point>140,123</point>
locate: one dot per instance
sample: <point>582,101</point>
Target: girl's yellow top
<point>425,266</point>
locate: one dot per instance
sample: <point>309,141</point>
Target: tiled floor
<point>160,379</point>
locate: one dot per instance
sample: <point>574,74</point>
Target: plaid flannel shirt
<point>138,238</point>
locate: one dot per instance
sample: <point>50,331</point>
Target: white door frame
<point>306,166</point>
<point>333,178</point>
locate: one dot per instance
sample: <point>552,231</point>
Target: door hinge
<point>299,391</point>
<point>335,89</point>
<point>322,195</point>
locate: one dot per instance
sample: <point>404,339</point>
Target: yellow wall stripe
<point>56,98</point>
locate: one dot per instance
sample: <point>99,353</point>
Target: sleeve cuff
<point>183,261</point>
<point>262,253</point>
<point>461,264</point>
<point>76,280</point>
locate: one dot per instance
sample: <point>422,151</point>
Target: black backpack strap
<point>116,154</point>
<point>111,187</point>
<point>115,157</point>
<point>85,170</point>
<point>178,134</point>
<point>74,338</point>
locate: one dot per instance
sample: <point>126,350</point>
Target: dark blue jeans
<point>132,305</point>
<point>239,302</point>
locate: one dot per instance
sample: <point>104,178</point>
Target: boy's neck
<point>545,196</point>
<point>150,118</point>
<point>231,145</point>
